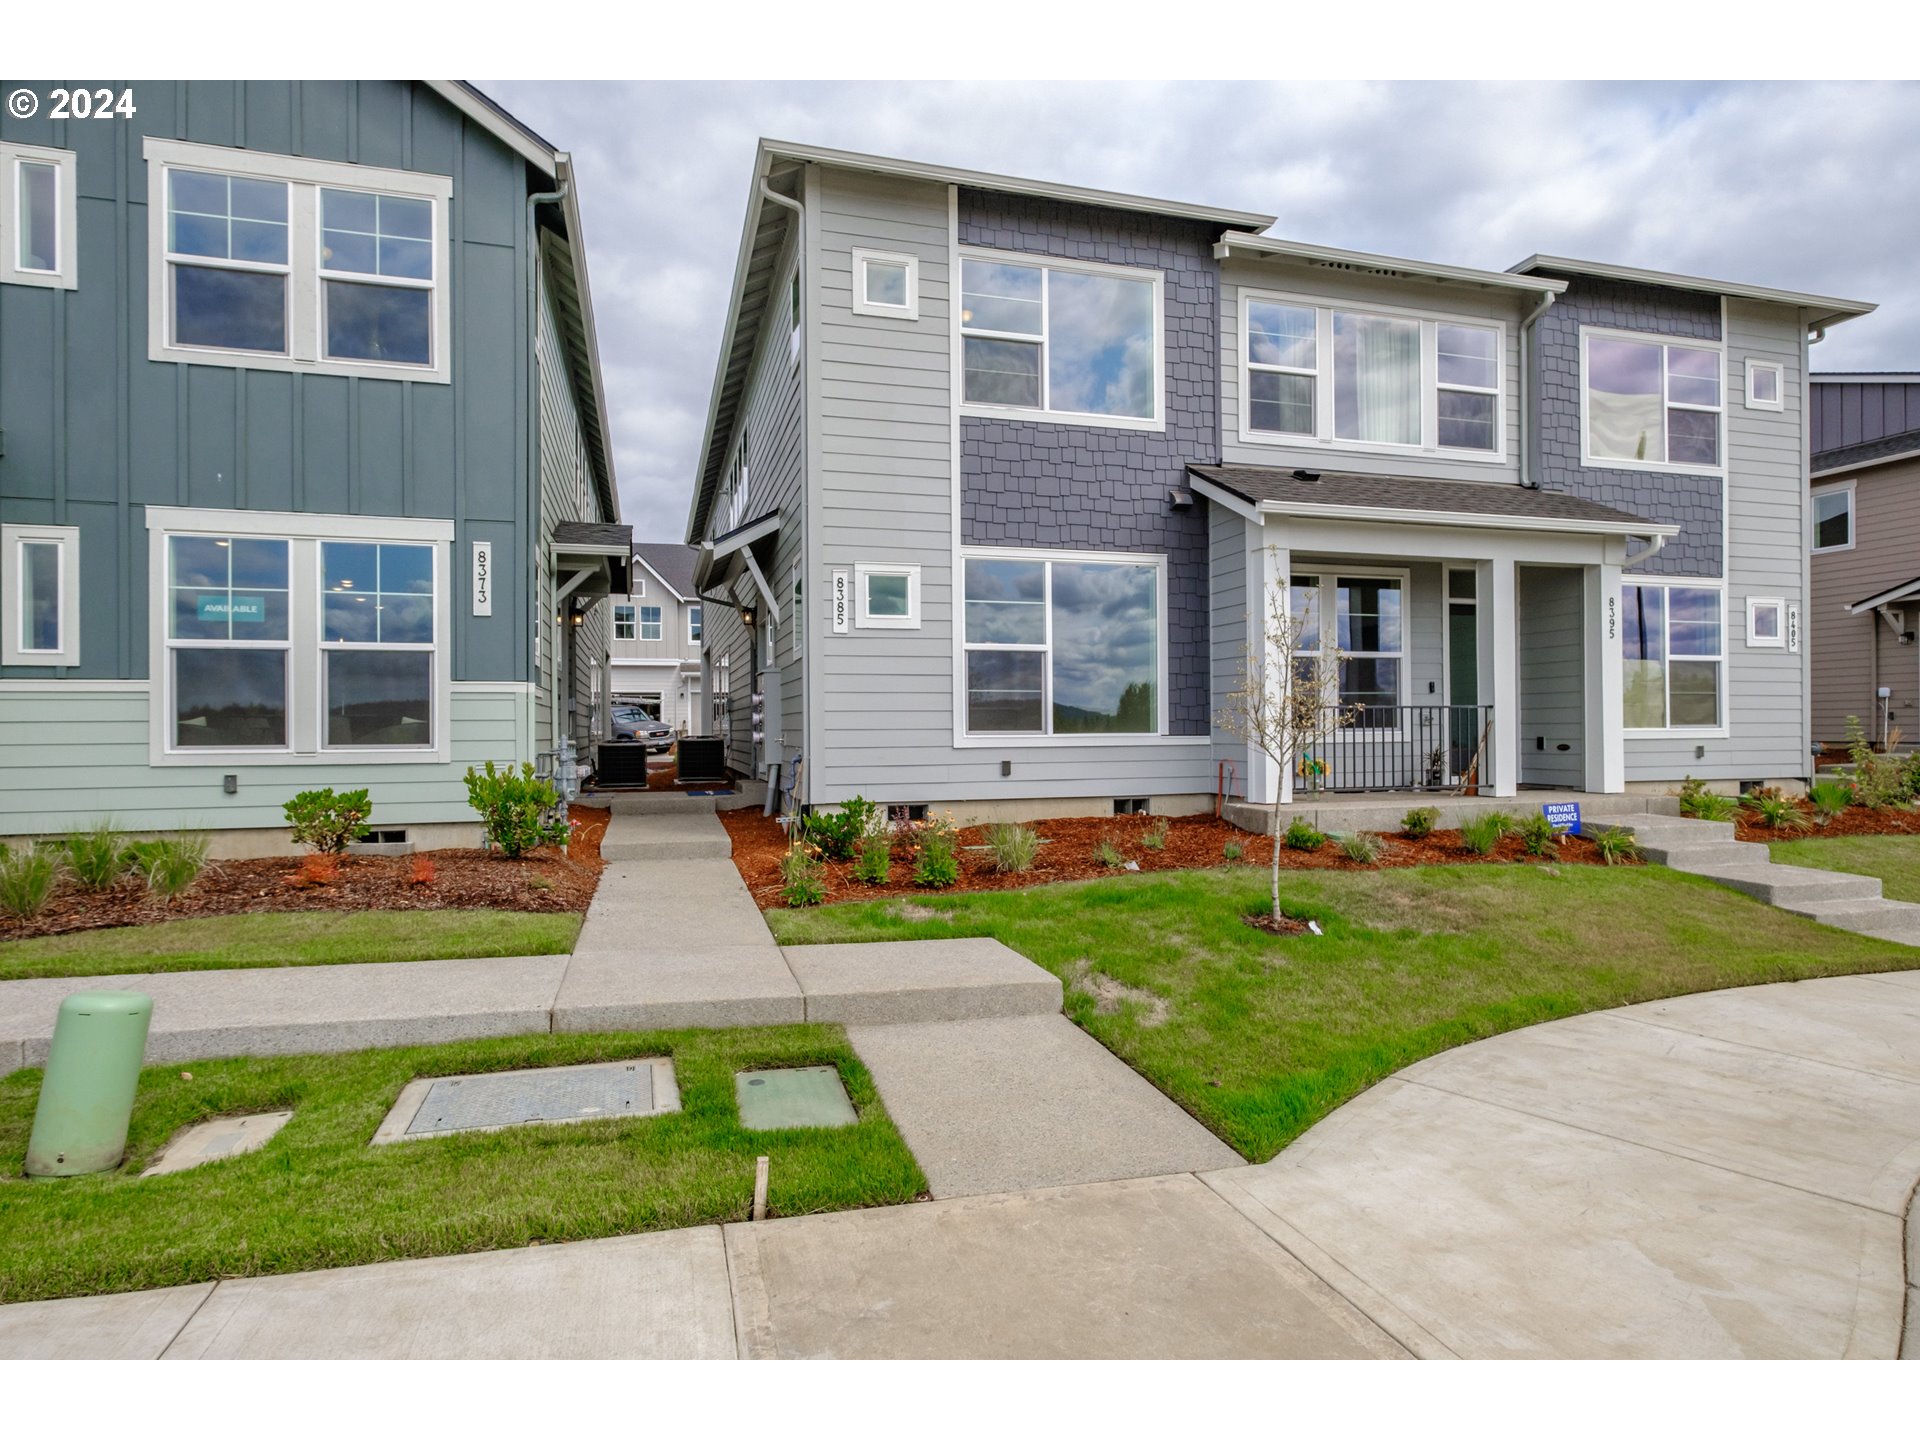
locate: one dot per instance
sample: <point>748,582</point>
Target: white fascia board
<point>1226,499</point>
<point>497,125</point>
<point>1898,592</point>
<point>1464,519</point>
<point>1417,269</point>
<point>640,560</point>
<point>1829,309</point>
<point>583,292</point>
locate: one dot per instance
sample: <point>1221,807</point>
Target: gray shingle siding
<point>1075,487</point>
<point>1692,502</point>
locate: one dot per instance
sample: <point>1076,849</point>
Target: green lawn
<point>1260,1037</point>
<point>319,1196</point>
<point>313,937</point>
<point>1894,858</point>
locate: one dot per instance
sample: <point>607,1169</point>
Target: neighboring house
<point>995,469</point>
<point>1866,555</point>
<point>306,478</point>
<point>655,646</point>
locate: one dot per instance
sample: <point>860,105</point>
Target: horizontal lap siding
<point>1233,610</point>
<point>1886,518</point>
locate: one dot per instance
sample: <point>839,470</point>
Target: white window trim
<point>13,597</point>
<point>65,211</point>
<point>990,739</point>
<point>659,623</point>
<point>864,621</point>
<point>639,591</point>
<point>1778,641</point>
<point>982,411</point>
<point>1690,732</point>
<point>1779,401</point>
<point>1324,436</point>
<point>864,306</point>
<point>691,612</point>
<point>306,705</point>
<point>1845,487</point>
<point>1330,615</point>
<point>631,619</point>
<point>305,278</point>
<point>1648,337</point>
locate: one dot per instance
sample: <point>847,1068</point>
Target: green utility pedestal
<point>86,1096</point>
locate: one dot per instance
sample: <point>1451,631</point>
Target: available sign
<point>243,609</point>
<point>1564,816</point>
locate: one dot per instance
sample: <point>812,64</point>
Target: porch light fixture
<point>747,616</point>
<point>579,618</point>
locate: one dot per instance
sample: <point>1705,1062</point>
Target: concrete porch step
<point>687,835</point>
<point>660,802</point>
<point>706,848</point>
<point>1788,885</point>
<point>1678,829</point>
<point>1882,919</point>
<point>1698,857</point>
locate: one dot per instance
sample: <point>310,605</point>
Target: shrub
<point>515,807</point>
<point>1714,807</point>
<point>1481,833</point>
<point>1232,850</point>
<point>1776,812</point>
<point>1362,847</point>
<point>1302,836</point>
<point>1878,780</point>
<point>1691,792</point>
<point>837,832</point>
<point>27,878</point>
<point>1537,835</point>
<point>420,871</point>
<point>327,822</point>
<point>170,863</point>
<point>1013,847</point>
<point>1156,836</point>
<point>1109,854</point>
<point>97,857</point>
<point>1418,824</point>
<point>1615,845</point>
<point>938,864</point>
<point>1508,822</point>
<point>1830,798</point>
<point>803,879</point>
<point>873,858</point>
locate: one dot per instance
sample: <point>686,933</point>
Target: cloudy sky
<point>1809,186</point>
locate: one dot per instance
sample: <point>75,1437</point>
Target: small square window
<point>889,597</point>
<point>1766,623</point>
<point>1766,386</point>
<point>886,285</point>
<point>38,244</point>
<point>40,603</point>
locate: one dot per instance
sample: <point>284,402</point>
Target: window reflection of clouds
<point>1106,634</point>
<point>1100,331</point>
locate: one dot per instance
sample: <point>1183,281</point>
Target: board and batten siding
<point>1552,615</point>
<point>1855,654</point>
<point>1345,288</point>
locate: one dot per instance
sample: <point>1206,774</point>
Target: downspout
<point>1526,388</point>
<point>799,213</point>
<point>535,549</point>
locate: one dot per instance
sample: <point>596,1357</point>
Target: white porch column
<point>1268,562</point>
<point>1606,735</point>
<point>1500,670</point>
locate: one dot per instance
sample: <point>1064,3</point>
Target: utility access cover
<point>552,1096</point>
<point>790,1099</point>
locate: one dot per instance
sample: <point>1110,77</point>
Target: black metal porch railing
<point>1396,747</point>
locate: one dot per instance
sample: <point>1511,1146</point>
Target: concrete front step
<point>685,835</point>
<point>1788,885</point>
<point>1700,857</point>
<point>658,850</point>
<point>660,802</point>
<point>1881,919</point>
<point>1675,829</point>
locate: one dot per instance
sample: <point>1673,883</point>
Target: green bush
<point>873,858</point>
<point>1013,847</point>
<point>27,878</point>
<point>803,879</point>
<point>97,857</point>
<point>1775,811</point>
<point>837,832</point>
<point>1232,850</point>
<point>169,863</point>
<point>1508,822</point>
<point>1691,791</point>
<point>1156,836</point>
<point>1109,854</point>
<point>514,807</point>
<point>938,864</point>
<point>1878,780</point>
<point>1537,835</point>
<point>1362,847</point>
<point>1830,798</point>
<point>1615,845</point>
<point>1482,833</point>
<point>1418,824</point>
<point>327,822</point>
<point>1709,806</point>
<point>1302,836</point>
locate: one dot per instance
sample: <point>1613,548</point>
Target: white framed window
<point>693,624</point>
<point>280,638</point>
<point>887,597</point>
<point>1361,614</point>
<point>1649,403</point>
<point>1833,518</point>
<point>40,595</point>
<point>38,242</point>
<point>1673,651</point>
<point>886,285</point>
<point>793,317</point>
<point>1767,622</point>
<point>798,615</point>
<point>1059,643</point>
<point>651,627</point>
<point>282,263</point>
<point>639,591</point>
<point>1766,385</point>
<point>1379,379</point>
<point>624,622</point>
<point>738,492</point>
<point>1056,339</point>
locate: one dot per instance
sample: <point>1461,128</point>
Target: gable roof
<point>1827,309</point>
<point>1897,446</point>
<point>672,564</point>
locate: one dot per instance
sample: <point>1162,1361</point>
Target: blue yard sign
<point>242,608</point>
<point>1564,816</point>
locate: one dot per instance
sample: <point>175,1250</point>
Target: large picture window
<point>1651,403</point>
<point>377,633</point>
<point>1367,630</point>
<point>1673,652</point>
<point>1080,341</point>
<point>1062,646</point>
<point>228,634</point>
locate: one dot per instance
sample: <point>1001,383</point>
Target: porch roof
<point>1338,495</point>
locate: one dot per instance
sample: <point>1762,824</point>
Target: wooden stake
<point>760,1188</point>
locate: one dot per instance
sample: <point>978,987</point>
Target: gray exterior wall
<point>1552,677</point>
<point>1855,654</point>
<point>1852,412</point>
<point>1236,612</point>
<point>673,671</point>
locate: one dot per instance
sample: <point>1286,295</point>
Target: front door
<point>1463,672</point>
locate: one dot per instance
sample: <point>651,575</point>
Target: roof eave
<point>1824,310</point>
<point>1464,519</point>
<point>494,119</point>
<point>1276,248</point>
<point>1848,467</point>
<point>1885,597</point>
<point>583,287</point>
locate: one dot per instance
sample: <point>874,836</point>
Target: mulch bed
<point>1193,842</point>
<point>1854,820</point>
<point>548,882</point>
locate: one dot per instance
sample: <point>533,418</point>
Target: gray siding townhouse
<point>995,470</point>
<point>655,648</point>
<point>1866,555</point>
<point>304,470</point>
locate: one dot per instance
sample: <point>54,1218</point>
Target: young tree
<point>1284,701</point>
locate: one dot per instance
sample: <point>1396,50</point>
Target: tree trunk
<point>1276,852</point>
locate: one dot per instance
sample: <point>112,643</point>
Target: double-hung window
<point>1833,518</point>
<point>1370,380</point>
<point>623,622</point>
<point>40,594</point>
<point>281,262</point>
<point>693,624</point>
<point>376,640</point>
<point>1367,632</point>
<point>1063,645</point>
<point>1650,403</point>
<point>38,245</point>
<point>1673,652</point>
<point>228,636</point>
<point>650,622</point>
<point>1057,339</point>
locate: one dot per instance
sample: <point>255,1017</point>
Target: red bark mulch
<point>1193,842</point>
<point>548,882</point>
<point>1854,820</point>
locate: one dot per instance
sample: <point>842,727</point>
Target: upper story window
<point>1649,403</point>
<point>37,207</point>
<point>693,624</point>
<point>279,262</point>
<point>40,601</point>
<point>793,317</point>
<point>886,285</point>
<point>1370,380</point>
<point>623,622</point>
<point>1766,385</point>
<point>1062,340</point>
<point>1833,518</point>
<point>650,623</point>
